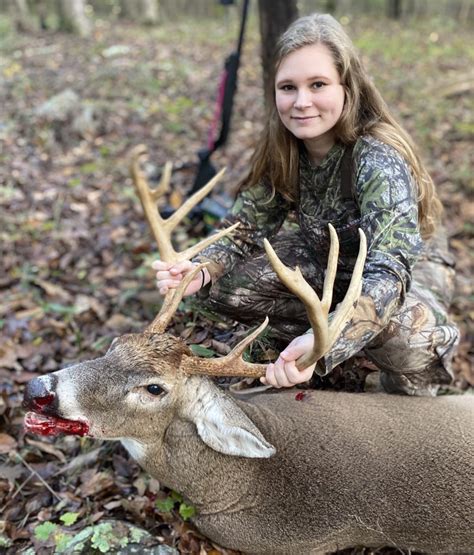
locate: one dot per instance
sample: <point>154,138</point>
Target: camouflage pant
<point>413,351</point>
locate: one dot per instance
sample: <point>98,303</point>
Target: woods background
<point>80,84</point>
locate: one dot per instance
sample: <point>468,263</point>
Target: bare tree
<point>142,11</point>
<point>73,17</point>
<point>275,16</point>
<point>394,9</point>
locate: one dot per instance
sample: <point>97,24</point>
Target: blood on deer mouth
<point>52,426</point>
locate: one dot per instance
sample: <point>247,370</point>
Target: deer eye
<point>154,389</point>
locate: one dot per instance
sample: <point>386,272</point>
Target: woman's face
<point>309,95</point>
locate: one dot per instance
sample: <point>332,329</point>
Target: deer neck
<point>184,463</point>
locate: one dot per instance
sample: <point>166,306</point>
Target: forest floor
<point>75,249</point>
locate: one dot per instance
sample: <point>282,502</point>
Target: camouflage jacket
<point>383,203</point>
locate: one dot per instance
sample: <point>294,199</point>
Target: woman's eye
<point>286,87</point>
<point>154,389</point>
<point>318,84</point>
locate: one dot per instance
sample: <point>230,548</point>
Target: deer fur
<point>275,474</point>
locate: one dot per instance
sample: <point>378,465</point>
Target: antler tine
<point>191,202</point>
<point>160,227</point>
<point>294,280</point>
<point>230,365</point>
<point>171,302</point>
<point>331,270</point>
<point>346,307</point>
<point>148,199</point>
<point>190,252</point>
<point>324,334</point>
<point>164,185</point>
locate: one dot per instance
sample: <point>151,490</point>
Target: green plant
<point>170,502</point>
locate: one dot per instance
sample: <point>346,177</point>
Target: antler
<point>162,228</point>
<point>325,333</point>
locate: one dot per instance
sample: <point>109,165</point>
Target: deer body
<point>275,474</point>
<point>349,470</point>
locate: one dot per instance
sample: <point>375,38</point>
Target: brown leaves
<point>76,249</point>
<point>94,483</point>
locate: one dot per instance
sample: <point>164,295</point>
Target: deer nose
<point>39,396</point>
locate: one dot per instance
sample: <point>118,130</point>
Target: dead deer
<point>273,474</point>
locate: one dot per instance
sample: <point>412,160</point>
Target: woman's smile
<point>308,80</point>
<point>304,118</point>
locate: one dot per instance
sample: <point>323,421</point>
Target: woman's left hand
<point>283,372</point>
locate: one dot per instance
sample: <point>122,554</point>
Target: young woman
<point>332,152</point>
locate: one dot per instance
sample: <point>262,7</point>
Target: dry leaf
<point>53,290</point>
<point>47,448</point>
<point>7,443</point>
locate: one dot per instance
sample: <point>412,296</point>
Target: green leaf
<point>58,308</point>
<point>123,542</point>
<point>102,537</point>
<point>201,351</point>
<point>136,535</point>
<point>88,167</point>
<point>101,544</point>
<point>186,511</point>
<point>43,531</point>
<point>165,505</point>
<point>4,541</point>
<point>69,518</point>
<point>61,540</point>
<point>77,543</point>
<point>176,496</point>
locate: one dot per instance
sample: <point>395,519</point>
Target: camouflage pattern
<point>401,320</point>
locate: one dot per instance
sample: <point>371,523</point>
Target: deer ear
<point>224,427</point>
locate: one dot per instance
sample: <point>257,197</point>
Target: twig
<point>18,489</point>
<point>33,471</point>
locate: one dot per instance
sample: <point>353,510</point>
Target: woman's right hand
<point>169,276</point>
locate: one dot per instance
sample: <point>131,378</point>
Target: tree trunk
<point>140,11</point>
<point>275,16</point>
<point>73,18</point>
<point>22,16</point>
<point>463,15</point>
<point>394,9</point>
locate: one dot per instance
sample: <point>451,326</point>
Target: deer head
<point>147,380</point>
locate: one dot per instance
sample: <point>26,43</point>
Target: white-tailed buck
<point>273,474</point>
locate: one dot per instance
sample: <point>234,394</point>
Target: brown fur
<point>369,469</point>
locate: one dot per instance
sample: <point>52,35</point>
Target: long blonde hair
<point>276,157</point>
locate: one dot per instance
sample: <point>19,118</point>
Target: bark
<point>275,16</point>
<point>73,17</point>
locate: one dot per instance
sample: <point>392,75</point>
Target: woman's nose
<point>303,100</point>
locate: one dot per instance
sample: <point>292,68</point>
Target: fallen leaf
<point>53,290</point>
<point>47,448</point>
<point>7,443</point>
<point>94,482</point>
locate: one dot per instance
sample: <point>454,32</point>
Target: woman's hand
<point>169,276</point>
<point>283,372</point>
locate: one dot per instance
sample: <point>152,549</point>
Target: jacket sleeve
<point>260,213</point>
<point>386,194</point>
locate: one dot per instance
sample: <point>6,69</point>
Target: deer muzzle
<point>42,402</point>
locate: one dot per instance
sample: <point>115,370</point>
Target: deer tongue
<point>52,426</point>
